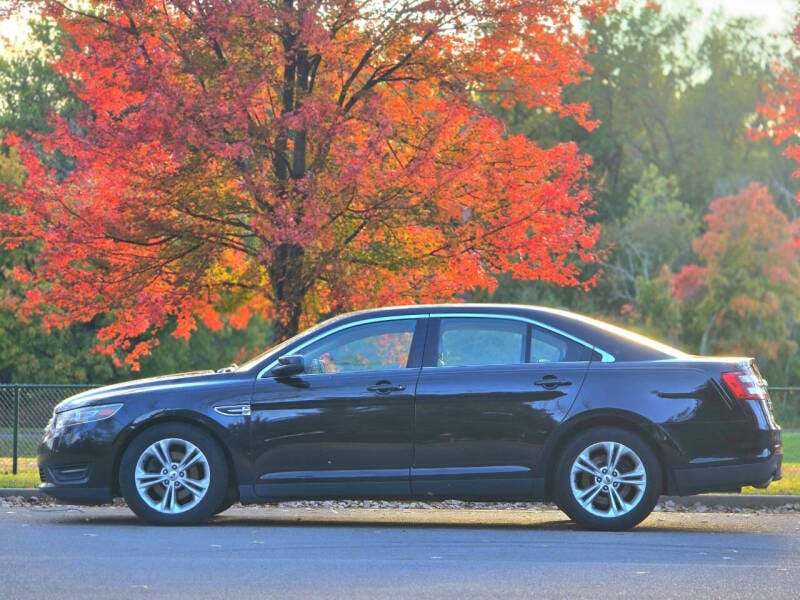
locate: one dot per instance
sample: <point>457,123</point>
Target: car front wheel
<point>174,474</point>
<point>607,479</point>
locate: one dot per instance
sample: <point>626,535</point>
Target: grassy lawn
<point>28,476</point>
<point>791,446</point>
<point>790,484</point>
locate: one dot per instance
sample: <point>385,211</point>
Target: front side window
<point>372,346</point>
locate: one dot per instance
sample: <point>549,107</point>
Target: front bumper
<point>76,464</point>
<point>84,496</point>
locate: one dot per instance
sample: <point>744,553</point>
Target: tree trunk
<point>286,274</point>
<point>286,270</point>
<point>705,342</point>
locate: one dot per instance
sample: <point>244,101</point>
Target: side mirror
<point>289,365</point>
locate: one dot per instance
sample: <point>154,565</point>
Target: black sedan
<point>477,402</point>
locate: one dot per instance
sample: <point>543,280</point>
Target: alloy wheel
<point>172,475</point>
<point>608,479</point>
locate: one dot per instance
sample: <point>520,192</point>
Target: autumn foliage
<point>293,158</point>
<point>780,110</point>
<point>744,288</point>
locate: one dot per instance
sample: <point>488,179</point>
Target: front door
<point>343,428</point>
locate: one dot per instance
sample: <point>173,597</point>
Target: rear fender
<point>655,436</point>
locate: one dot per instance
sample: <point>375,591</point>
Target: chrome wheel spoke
<point>637,478</point>
<point>169,503</point>
<point>613,453</point>
<point>193,455</point>
<point>584,463</point>
<point>160,451</point>
<point>197,487</point>
<point>586,496</point>
<point>616,505</point>
<point>145,480</point>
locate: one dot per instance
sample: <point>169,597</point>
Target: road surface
<point>69,552</point>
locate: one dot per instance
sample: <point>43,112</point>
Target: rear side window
<point>547,346</point>
<point>474,341</point>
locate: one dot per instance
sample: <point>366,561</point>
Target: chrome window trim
<point>604,356</point>
<point>342,327</point>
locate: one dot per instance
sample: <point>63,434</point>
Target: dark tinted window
<point>547,346</point>
<point>476,341</point>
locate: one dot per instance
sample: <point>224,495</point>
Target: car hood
<point>119,391</point>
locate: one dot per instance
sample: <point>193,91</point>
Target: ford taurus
<point>476,402</point>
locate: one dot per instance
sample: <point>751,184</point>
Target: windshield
<point>276,350</point>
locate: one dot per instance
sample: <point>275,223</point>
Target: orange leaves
<point>745,287</point>
<point>247,158</point>
<point>780,111</point>
<point>748,220</point>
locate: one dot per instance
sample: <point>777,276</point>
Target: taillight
<point>744,385</point>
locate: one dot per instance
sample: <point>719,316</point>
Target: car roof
<point>622,344</point>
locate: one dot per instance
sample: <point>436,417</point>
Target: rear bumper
<point>727,477</point>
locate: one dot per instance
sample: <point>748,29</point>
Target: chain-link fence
<point>24,412</point>
<point>786,402</point>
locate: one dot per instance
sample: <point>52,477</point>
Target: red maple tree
<point>743,292</point>
<point>290,158</point>
<point>780,110</point>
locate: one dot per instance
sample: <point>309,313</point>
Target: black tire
<point>174,474</point>
<point>231,497</point>
<point>607,479</point>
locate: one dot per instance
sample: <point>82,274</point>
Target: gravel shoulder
<point>704,503</point>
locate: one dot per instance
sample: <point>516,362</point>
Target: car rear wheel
<point>174,474</point>
<point>607,479</point>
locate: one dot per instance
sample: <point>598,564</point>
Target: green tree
<point>682,105</point>
<point>655,235</point>
<point>30,90</point>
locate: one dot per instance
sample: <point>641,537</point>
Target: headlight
<point>85,414</point>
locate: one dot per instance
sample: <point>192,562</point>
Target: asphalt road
<point>65,552</point>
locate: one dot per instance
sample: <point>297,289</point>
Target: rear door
<point>491,390</point>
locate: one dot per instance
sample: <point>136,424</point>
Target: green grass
<point>28,473</point>
<point>790,483</point>
<point>791,446</point>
